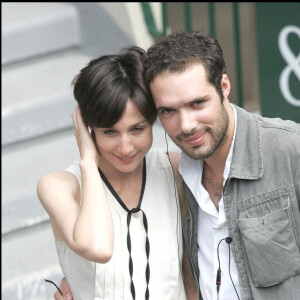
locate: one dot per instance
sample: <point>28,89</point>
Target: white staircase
<point>40,56</point>
<point>44,45</point>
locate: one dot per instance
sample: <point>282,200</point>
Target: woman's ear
<point>93,135</point>
<point>94,140</point>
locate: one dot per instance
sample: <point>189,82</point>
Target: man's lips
<point>195,139</point>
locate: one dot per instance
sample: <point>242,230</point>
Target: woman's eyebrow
<point>140,123</point>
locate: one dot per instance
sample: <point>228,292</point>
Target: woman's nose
<point>125,146</point>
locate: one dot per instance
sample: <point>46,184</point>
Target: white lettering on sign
<point>293,63</point>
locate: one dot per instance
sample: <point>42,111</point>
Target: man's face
<point>191,111</point>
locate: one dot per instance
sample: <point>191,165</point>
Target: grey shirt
<point>261,200</point>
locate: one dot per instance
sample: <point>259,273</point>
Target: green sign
<point>278,42</point>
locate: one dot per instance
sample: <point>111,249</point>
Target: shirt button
<point>262,222</point>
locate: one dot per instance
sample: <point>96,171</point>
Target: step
<point>29,257</point>
<point>23,164</point>
<point>31,29</point>
<point>37,97</point>
<point>28,250</point>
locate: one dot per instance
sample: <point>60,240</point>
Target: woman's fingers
<point>78,121</point>
<point>74,118</point>
<point>83,137</point>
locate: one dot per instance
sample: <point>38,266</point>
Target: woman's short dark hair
<point>180,50</point>
<point>103,88</point>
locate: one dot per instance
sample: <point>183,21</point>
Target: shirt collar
<point>247,160</point>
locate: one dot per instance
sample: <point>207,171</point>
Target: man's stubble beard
<point>218,138</point>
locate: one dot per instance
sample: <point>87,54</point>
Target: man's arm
<point>65,289</point>
<point>189,284</point>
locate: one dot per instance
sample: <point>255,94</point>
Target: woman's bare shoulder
<point>56,183</point>
<point>56,179</point>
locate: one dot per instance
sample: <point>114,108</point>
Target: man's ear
<point>225,85</point>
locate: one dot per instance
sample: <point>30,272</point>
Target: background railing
<point>248,33</point>
<point>188,27</point>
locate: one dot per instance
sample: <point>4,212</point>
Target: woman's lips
<point>194,140</point>
<point>127,159</point>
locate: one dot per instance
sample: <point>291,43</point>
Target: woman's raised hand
<point>84,139</point>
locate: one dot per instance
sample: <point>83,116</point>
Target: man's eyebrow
<point>201,98</point>
<point>163,107</point>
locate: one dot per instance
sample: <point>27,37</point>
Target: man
<point>241,174</point>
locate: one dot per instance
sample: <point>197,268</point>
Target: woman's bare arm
<point>87,228</point>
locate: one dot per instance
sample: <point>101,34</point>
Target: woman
<point>115,214</point>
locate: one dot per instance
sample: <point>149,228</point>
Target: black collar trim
<point>107,183</point>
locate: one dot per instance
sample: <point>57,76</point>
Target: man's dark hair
<point>103,88</point>
<point>180,50</point>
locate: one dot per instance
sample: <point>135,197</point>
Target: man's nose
<point>187,121</point>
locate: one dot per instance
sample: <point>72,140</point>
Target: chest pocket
<point>269,240</point>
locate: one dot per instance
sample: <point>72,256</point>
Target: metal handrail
<point>212,22</point>
<point>212,28</point>
<point>150,20</point>
<point>238,60</point>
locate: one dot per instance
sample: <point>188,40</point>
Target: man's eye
<point>197,103</point>
<point>166,111</point>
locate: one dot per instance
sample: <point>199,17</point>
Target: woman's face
<point>125,144</point>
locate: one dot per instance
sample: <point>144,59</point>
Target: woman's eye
<point>109,132</point>
<point>138,129</point>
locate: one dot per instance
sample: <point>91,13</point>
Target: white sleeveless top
<point>111,281</point>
